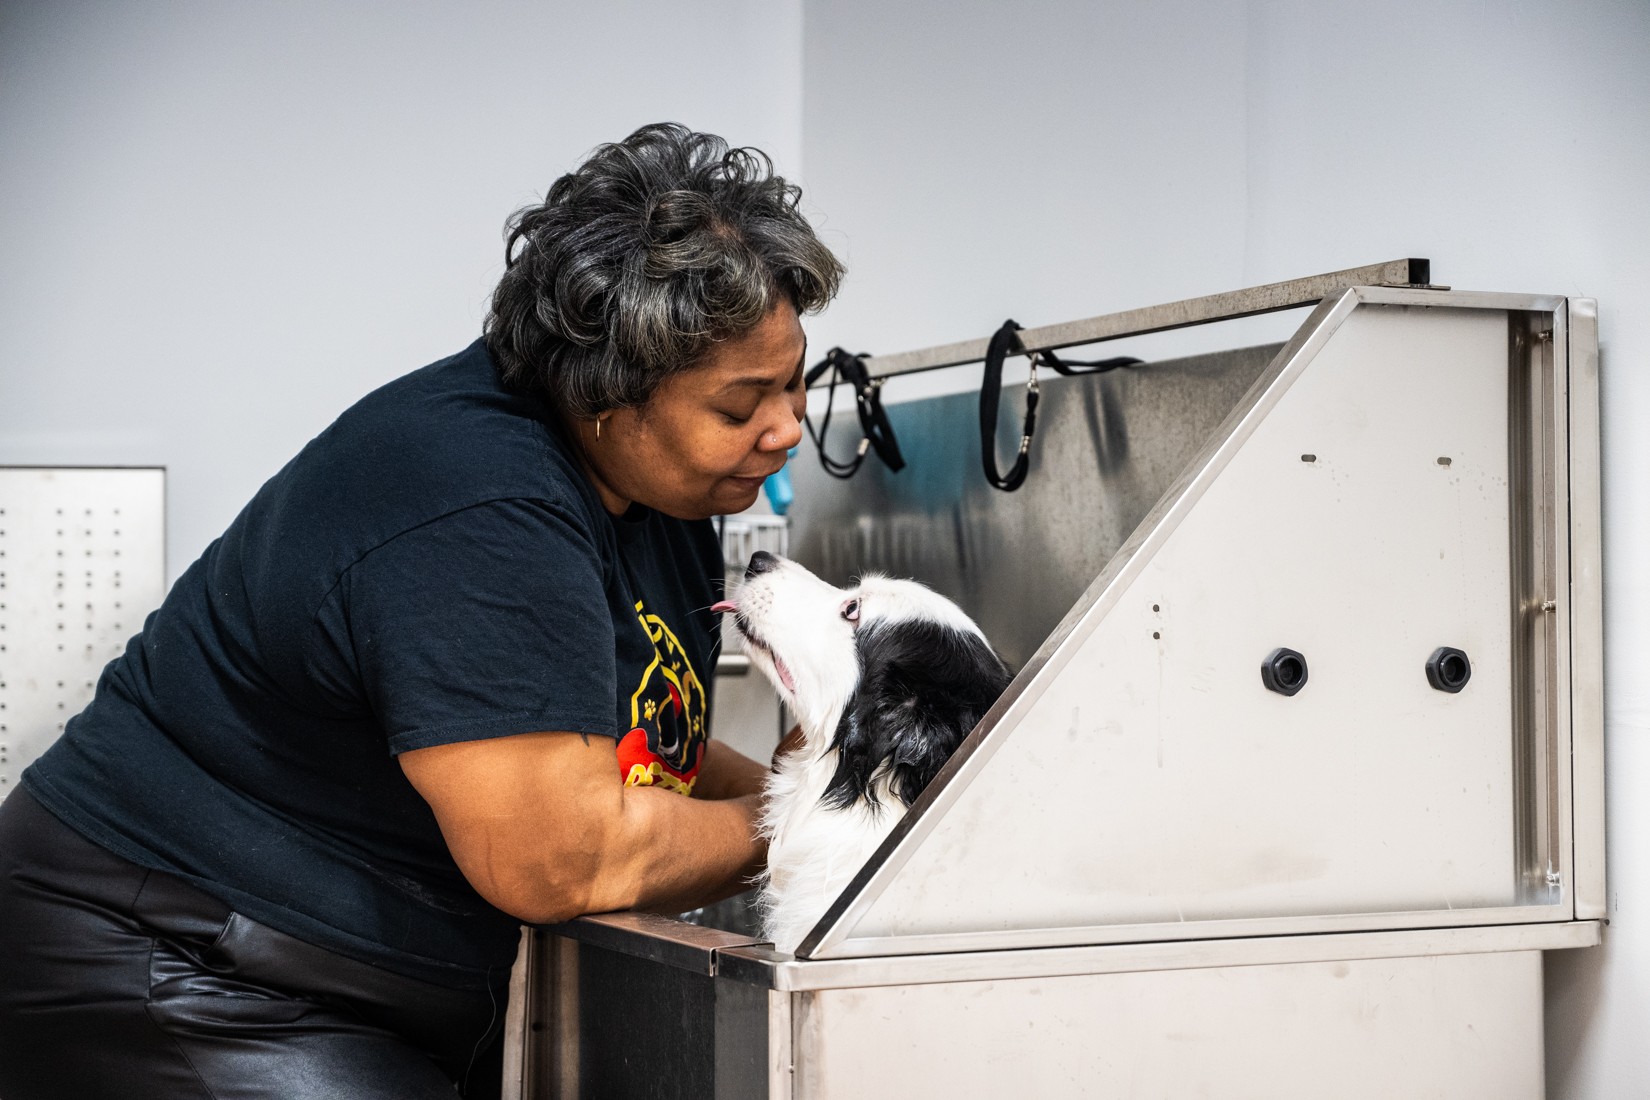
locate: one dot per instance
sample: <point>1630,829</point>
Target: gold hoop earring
<point>598,429</point>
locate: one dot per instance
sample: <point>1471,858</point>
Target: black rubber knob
<point>1283,671</point>
<point>1448,669</point>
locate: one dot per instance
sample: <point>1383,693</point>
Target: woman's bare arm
<point>542,827</point>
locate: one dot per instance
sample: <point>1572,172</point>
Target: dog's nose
<point>761,562</point>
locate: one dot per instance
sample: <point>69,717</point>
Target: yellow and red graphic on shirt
<point>666,741</point>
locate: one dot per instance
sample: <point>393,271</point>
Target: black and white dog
<point>885,680</point>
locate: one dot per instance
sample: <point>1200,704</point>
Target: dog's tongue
<point>724,605</point>
<point>784,674</point>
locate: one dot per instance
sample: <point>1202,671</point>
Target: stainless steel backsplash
<point>1107,447</point>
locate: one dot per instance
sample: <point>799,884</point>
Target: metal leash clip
<point>1032,397</point>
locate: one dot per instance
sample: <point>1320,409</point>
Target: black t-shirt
<point>432,568</point>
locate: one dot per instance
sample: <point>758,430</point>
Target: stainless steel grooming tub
<point>1154,869</point>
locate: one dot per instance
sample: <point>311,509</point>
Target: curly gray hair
<point>637,261</point>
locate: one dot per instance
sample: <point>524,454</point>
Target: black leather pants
<point>118,982</point>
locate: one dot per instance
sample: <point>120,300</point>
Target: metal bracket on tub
<point>733,664</point>
<point>1413,273</point>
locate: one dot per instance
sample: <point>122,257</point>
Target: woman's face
<point>711,434</point>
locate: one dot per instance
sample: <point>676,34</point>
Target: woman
<point>447,672</point>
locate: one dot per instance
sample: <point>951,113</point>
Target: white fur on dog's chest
<point>814,851</point>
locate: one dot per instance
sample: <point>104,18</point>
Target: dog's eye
<point>850,611</point>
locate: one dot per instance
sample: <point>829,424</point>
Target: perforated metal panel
<point>82,563</point>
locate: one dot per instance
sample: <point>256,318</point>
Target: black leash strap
<point>991,394</point>
<point>1004,341</point>
<point>876,433</point>
<point>1073,367</point>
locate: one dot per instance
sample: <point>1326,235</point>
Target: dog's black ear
<point>922,687</point>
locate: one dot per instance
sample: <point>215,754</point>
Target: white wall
<point>222,223</point>
<point>1055,159</point>
<point>974,161</point>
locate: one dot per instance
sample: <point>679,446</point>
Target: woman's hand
<point>724,772</point>
<point>728,773</point>
<point>544,829</point>
<point>791,742</point>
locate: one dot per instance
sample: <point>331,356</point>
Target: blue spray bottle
<point>778,488</point>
